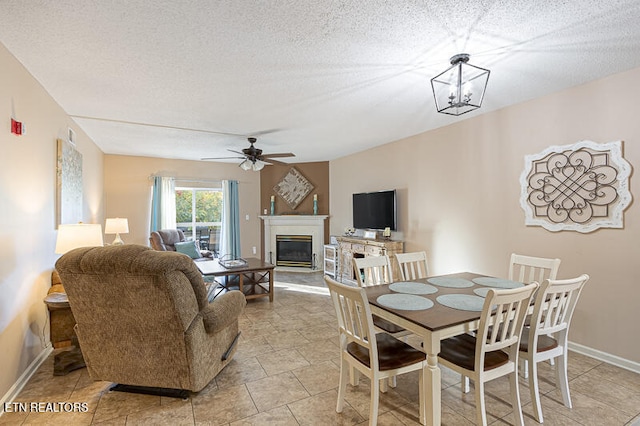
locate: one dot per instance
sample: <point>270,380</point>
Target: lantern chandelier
<point>460,88</point>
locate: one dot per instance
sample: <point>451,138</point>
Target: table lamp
<point>72,236</point>
<point>116,225</point>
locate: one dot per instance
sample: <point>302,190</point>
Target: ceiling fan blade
<point>265,132</point>
<point>223,158</point>
<point>236,152</point>
<point>279,155</point>
<point>271,161</point>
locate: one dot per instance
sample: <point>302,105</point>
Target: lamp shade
<point>72,236</point>
<point>258,165</point>
<point>460,89</point>
<point>116,225</point>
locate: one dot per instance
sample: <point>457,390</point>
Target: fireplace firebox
<point>294,250</point>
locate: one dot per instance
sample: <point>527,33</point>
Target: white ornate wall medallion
<point>579,187</point>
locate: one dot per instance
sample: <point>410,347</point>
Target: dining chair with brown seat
<point>527,269</point>
<point>493,351</point>
<point>379,356</point>
<point>548,334</point>
<point>413,265</point>
<point>376,270</point>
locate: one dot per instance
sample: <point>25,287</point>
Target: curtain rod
<point>204,180</point>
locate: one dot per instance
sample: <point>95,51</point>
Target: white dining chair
<point>378,356</point>
<point>493,351</point>
<point>376,270</point>
<point>527,269</point>
<point>413,265</point>
<point>372,270</point>
<point>546,336</point>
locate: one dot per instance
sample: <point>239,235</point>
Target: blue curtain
<point>230,235</point>
<point>156,195</point>
<point>163,203</point>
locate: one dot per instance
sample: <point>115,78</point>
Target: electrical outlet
<point>255,251</point>
<point>246,217</point>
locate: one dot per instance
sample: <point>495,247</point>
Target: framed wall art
<point>580,187</point>
<point>293,188</point>
<point>68,184</point>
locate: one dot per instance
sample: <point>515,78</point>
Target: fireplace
<point>310,226</point>
<point>294,250</point>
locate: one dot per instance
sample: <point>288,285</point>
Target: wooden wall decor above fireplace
<point>293,187</point>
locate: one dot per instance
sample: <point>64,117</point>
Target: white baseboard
<point>603,356</point>
<point>24,378</point>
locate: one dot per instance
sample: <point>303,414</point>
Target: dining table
<point>435,308</point>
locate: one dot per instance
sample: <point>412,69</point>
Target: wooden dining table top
<point>438,316</point>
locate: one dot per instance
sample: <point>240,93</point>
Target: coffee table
<point>254,279</point>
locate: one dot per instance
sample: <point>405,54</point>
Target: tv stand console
<point>350,247</point>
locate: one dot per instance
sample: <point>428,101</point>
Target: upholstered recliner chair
<point>143,318</point>
<point>166,239</point>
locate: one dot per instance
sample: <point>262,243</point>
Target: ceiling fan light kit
<point>460,89</point>
<point>256,165</point>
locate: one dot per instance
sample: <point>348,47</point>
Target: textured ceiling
<point>321,79</point>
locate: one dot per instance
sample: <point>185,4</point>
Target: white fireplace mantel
<point>294,225</point>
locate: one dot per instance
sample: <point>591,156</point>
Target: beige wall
<point>128,193</point>
<point>458,199</point>
<point>27,203</point>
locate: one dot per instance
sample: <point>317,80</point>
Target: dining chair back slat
<point>372,270</point>
<point>502,319</point>
<point>413,265</point>
<point>527,269</point>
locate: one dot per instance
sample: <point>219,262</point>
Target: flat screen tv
<point>375,210</point>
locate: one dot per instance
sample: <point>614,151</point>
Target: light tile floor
<point>286,373</point>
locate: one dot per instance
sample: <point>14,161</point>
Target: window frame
<point>180,186</point>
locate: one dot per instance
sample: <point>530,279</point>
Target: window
<point>199,215</point>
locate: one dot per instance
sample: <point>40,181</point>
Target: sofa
<point>143,318</point>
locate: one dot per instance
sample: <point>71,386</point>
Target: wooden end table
<point>71,359</point>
